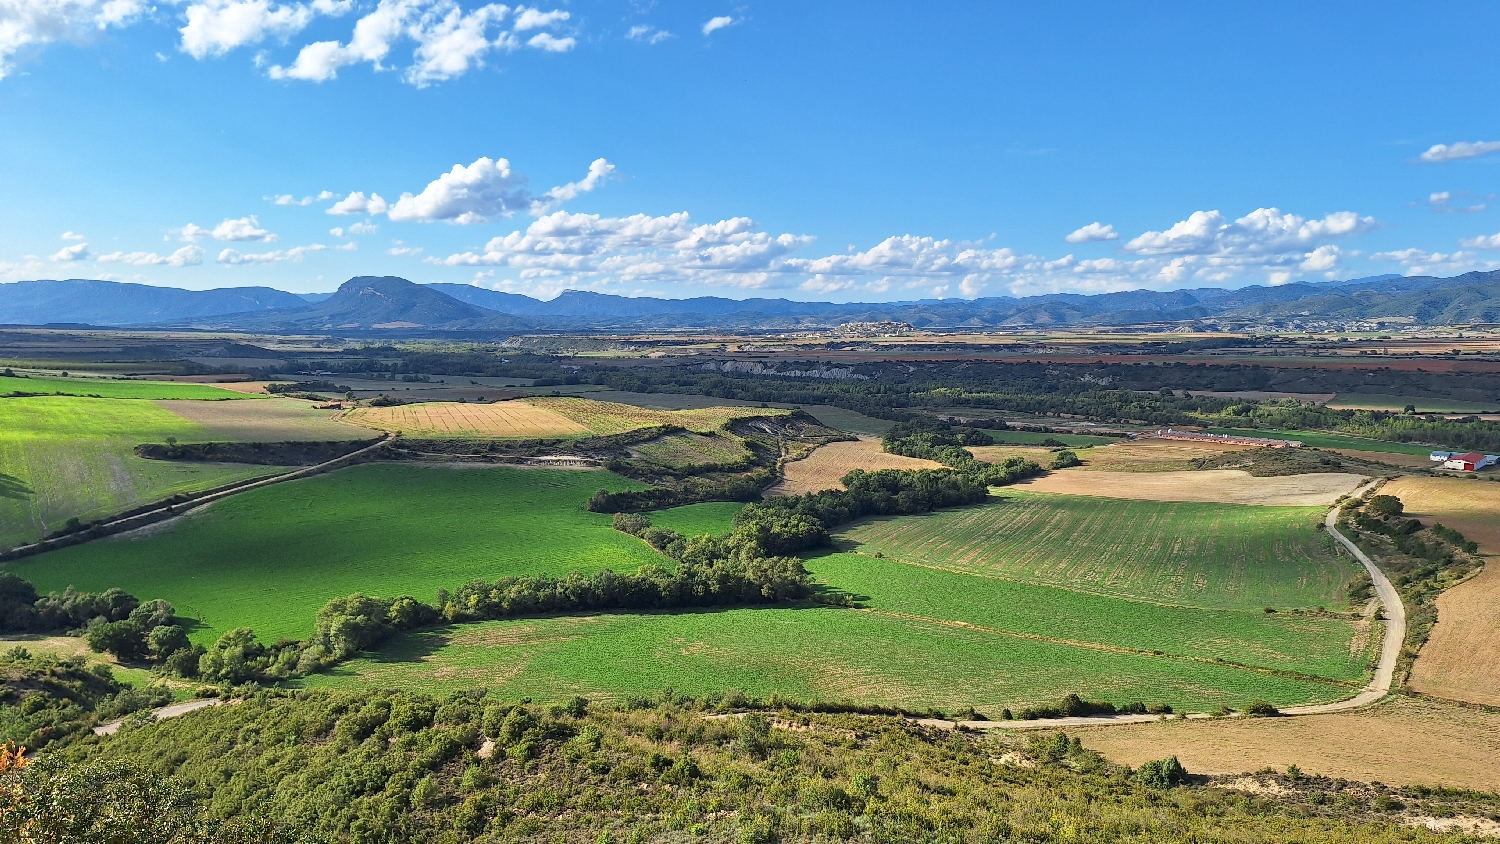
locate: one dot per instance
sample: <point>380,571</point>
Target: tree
<point>1388,506</point>
<point>1162,773</point>
<point>121,638</point>
<point>1064,459</point>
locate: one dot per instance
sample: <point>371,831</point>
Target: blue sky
<point>868,151</point>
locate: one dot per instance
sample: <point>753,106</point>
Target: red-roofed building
<point>1469,462</point>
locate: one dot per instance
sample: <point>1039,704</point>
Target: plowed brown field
<point>825,466</point>
<point>1461,659</point>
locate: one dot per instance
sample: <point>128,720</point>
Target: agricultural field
<point>1461,659</point>
<point>1008,610</point>
<point>1316,439</point>
<point>811,653</point>
<point>1181,553</point>
<point>689,449</point>
<point>63,457</point>
<point>1224,486</point>
<point>1033,438</point>
<point>712,517</point>
<point>828,463</point>
<point>1402,741</point>
<point>545,417</point>
<point>849,421</point>
<point>1357,401</point>
<point>110,388</point>
<point>265,420</point>
<point>270,558</point>
<point>1151,455</point>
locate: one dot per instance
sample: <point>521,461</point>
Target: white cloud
<point>244,228</point>
<point>1440,198</point>
<point>533,19</point>
<point>1491,241</point>
<point>187,256</point>
<point>69,254</point>
<point>295,254</point>
<point>1211,248</point>
<point>648,34</point>
<point>33,23</point>
<point>1092,233</point>
<point>215,27</point>
<point>550,43</point>
<point>466,195</point>
<point>357,203</point>
<point>1462,149</point>
<point>453,44</point>
<point>717,23</point>
<point>404,250</point>
<point>1322,259</point>
<point>72,236</point>
<point>599,171</point>
<point>357,228</point>
<point>289,199</point>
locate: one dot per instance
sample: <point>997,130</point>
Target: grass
<point>1280,641</point>
<point>1372,401</point>
<point>270,558</point>
<point>1033,438</point>
<point>1317,439</point>
<point>1184,553</point>
<point>682,450</point>
<point>112,389</point>
<point>64,457</point>
<point>713,517</point>
<point>826,653</point>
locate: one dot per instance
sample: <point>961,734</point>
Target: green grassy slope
<point>694,519</point>
<point>804,653</point>
<point>62,457</point>
<point>1316,439</point>
<point>111,389</point>
<point>1193,554</point>
<point>269,559</point>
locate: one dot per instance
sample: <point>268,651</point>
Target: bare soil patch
<point>1404,741</point>
<point>826,465</point>
<point>458,419</point>
<point>1151,455</point>
<point>1223,486</point>
<point>1461,659</point>
<point>1408,461</point>
<point>266,420</point>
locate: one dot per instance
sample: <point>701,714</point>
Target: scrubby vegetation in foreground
<point>378,767</point>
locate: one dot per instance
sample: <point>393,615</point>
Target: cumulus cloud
<point>717,23</point>
<point>358,204</point>
<point>244,228</point>
<point>648,34</point>
<point>289,199</point>
<point>400,249</point>
<point>72,236</point>
<point>295,254</point>
<point>1439,153</point>
<point>1092,233</point>
<point>187,256</point>
<point>357,228</point>
<point>1489,241</point>
<point>69,254</point>
<point>599,171</point>
<point>449,41</point>
<point>215,27</point>
<point>28,24</point>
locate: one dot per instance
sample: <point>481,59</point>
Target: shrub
<point>1161,773</point>
<point>1261,709</point>
<point>1064,459</point>
<point>1388,506</point>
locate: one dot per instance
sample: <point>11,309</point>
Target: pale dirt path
<point>171,711</point>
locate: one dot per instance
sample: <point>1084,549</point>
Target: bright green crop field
<point>62,457</point>
<point>713,517</point>
<point>1182,553</point>
<point>1316,439</point>
<point>112,389</point>
<point>1033,438</point>
<point>832,654</point>
<point>269,559</point>
<point>1278,641</point>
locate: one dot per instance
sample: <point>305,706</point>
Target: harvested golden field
<point>1151,455</point>
<point>457,419</point>
<point>998,453</point>
<point>1402,741</point>
<point>266,420</point>
<point>826,465</point>
<point>1224,486</point>
<point>1461,659</point>
<point>1409,461</point>
<point>605,418</point>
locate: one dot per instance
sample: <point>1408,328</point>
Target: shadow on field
<point>12,487</point>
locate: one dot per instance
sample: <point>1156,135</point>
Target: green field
<point>112,389</point>
<point>1191,554</point>
<point>1280,641</point>
<point>1371,401</point>
<point>62,457</point>
<point>832,654</point>
<point>690,449</point>
<point>1318,439</point>
<point>270,558</point>
<point>713,517</point>
<point>1033,438</point>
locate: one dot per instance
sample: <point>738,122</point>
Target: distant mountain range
<point>370,304</point>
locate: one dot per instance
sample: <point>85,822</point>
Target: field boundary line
<point>126,524</point>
